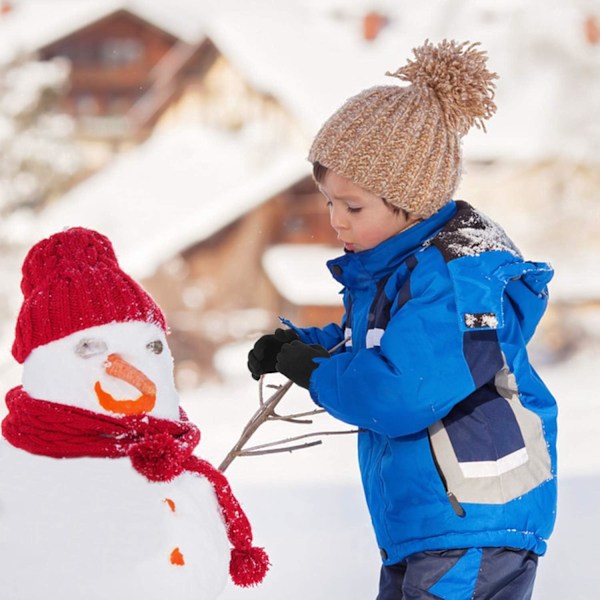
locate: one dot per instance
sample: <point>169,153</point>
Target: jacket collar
<point>358,269</point>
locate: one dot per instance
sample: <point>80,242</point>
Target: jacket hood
<point>487,270</point>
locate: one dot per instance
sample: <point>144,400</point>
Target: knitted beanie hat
<point>403,142</point>
<point>72,281</point>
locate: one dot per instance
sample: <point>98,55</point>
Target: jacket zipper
<point>454,503</point>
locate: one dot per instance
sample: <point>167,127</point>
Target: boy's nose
<point>336,219</point>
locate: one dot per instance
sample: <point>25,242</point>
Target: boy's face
<point>361,219</point>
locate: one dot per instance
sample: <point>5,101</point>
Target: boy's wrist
<point>296,361</point>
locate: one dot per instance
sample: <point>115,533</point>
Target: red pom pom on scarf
<point>158,458</point>
<point>248,566</point>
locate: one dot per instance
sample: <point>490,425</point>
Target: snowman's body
<point>95,528</point>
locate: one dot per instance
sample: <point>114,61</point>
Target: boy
<point>458,432</point>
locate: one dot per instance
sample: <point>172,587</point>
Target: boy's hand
<point>262,358</point>
<point>295,361</point>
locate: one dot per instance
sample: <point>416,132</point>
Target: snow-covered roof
<point>310,56</point>
<point>177,189</point>
<point>299,274</point>
<point>33,24</point>
<point>305,56</point>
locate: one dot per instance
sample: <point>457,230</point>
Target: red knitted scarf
<point>159,449</point>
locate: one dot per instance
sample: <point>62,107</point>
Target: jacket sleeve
<point>417,374</point>
<point>328,337</point>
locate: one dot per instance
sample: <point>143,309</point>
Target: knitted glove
<point>262,358</point>
<point>295,361</point>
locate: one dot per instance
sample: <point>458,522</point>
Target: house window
<point>120,51</point>
<point>80,53</point>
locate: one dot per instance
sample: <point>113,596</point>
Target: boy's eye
<point>156,346</point>
<point>352,209</point>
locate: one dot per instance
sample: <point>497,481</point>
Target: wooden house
<point>125,73</point>
<point>129,64</point>
<point>199,215</point>
<point>111,63</point>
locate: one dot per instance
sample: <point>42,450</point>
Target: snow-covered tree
<point>39,155</point>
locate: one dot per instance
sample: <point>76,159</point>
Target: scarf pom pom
<point>158,458</point>
<point>248,566</point>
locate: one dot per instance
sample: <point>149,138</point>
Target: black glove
<point>295,361</point>
<point>262,358</point>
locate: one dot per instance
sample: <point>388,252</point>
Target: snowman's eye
<point>88,347</point>
<point>156,346</point>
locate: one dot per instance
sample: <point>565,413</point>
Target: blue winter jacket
<point>457,447</point>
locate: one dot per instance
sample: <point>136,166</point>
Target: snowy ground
<point>307,507</point>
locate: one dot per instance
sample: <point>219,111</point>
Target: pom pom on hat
<point>72,281</point>
<point>457,74</point>
<point>403,142</point>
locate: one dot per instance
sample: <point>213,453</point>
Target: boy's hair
<point>403,143</point>
<point>319,172</point>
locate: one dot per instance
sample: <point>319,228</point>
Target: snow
<point>490,237</point>
<point>68,523</point>
<point>299,273</point>
<point>38,155</point>
<point>481,320</point>
<point>539,52</point>
<point>214,177</point>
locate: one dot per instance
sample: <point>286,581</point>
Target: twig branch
<point>279,450</point>
<point>289,419</point>
<point>309,413</point>
<point>259,417</point>
<point>265,412</point>
<point>296,438</point>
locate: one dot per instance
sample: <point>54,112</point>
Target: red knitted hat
<point>72,281</point>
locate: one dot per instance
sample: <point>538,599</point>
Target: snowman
<point>101,497</point>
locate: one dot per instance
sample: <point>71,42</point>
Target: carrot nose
<point>117,367</point>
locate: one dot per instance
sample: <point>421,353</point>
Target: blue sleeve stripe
<point>482,352</point>
<point>379,313</point>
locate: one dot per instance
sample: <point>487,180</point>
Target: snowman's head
<point>117,368</point>
<point>88,334</point>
